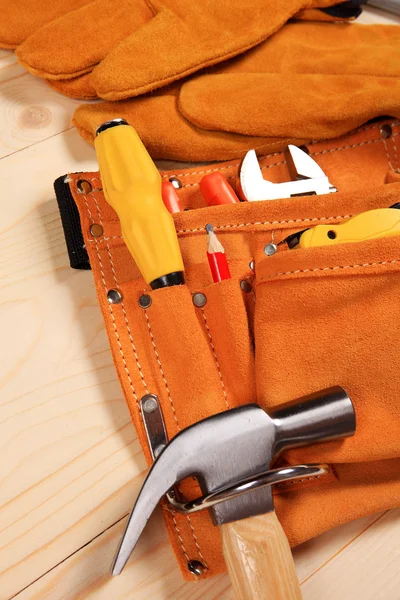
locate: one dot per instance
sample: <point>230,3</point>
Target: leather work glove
<point>135,46</point>
<point>308,81</point>
<point>19,21</point>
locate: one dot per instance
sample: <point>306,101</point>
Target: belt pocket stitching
<point>313,142</point>
<point>110,307</point>
<point>372,264</point>
<point>161,369</point>
<point>215,357</point>
<point>179,429</point>
<point>395,151</point>
<point>135,353</point>
<point>233,225</point>
<point>122,307</point>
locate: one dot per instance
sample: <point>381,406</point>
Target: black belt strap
<point>78,257</point>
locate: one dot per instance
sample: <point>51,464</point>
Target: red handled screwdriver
<point>170,197</point>
<point>216,190</point>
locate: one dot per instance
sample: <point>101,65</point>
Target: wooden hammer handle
<point>259,559</point>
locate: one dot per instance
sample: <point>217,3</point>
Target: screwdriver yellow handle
<point>369,225</point>
<point>132,186</point>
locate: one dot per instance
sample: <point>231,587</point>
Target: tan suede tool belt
<point>316,317</point>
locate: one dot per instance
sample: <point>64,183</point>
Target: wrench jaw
<point>310,178</point>
<point>252,184</point>
<point>303,165</point>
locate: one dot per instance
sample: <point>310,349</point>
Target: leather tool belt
<point>283,326</point>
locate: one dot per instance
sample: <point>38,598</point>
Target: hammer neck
<point>320,417</point>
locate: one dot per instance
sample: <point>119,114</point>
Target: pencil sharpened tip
<point>209,228</point>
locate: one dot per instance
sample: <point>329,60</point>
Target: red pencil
<point>216,257</point>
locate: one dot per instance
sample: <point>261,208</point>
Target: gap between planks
<point>381,515</point>
<point>117,523</point>
<point>69,556</point>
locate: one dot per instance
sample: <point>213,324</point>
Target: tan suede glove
<point>308,81</point>
<point>134,46</point>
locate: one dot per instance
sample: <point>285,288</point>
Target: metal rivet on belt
<point>246,286</point>
<point>84,186</point>
<point>149,403</point>
<point>114,296</point>
<point>270,249</point>
<point>199,299</point>
<point>145,301</point>
<point>386,130</point>
<point>177,183</point>
<point>251,265</point>
<point>96,230</point>
<point>196,567</point>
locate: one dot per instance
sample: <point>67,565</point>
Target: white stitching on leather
<point>215,357</point>
<point>122,302</point>
<point>111,310</point>
<point>372,264</point>
<point>161,369</point>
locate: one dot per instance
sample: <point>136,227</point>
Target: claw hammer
<point>224,451</point>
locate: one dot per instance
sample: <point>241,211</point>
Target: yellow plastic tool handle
<point>369,225</point>
<point>132,186</point>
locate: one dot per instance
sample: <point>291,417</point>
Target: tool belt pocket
<point>328,316</point>
<point>194,349</point>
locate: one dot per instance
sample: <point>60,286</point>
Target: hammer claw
<point>160,479</point>
<point>231,446</point>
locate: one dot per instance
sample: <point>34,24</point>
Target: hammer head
<point>239,443</point>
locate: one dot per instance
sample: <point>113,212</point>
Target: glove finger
<point>302,105</point>
<point>181,39</point>
<point>167,135</point>
<point>148,59</point>
<point>324,48</point>
<point>19,20</point>
<point>77,87</point>
<point>263,84</point>
<point>87,35</point>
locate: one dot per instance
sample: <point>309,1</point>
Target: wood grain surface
<point>259,560</point>
<point>71,464</point>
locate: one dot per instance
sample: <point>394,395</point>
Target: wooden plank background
<point>71,464</point>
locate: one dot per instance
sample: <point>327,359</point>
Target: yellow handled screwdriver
<point>132,186</point>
